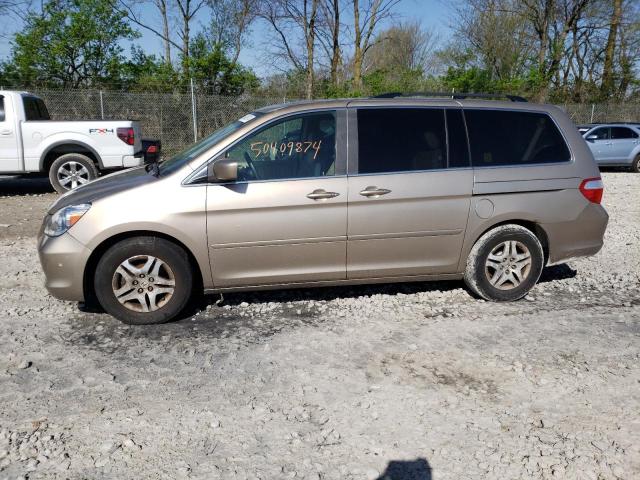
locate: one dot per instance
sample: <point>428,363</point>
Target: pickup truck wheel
<point>71,170</point>
<point>144,280</point>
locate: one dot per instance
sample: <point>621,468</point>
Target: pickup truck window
<point>35,109</point>
<point>1,109</point>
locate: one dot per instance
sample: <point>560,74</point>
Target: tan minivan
<point>334,192</point>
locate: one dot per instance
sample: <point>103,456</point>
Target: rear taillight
<point>126,135</point>
<point>592,189</point>
<point>152,149</point>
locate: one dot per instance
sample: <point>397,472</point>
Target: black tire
<point>478,269</point>
<point>85,168</point>
<point>141,248</point>
<point>635,166</point>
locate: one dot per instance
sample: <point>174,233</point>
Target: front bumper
<point>63,261</point>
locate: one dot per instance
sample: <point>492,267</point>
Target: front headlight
<point>64,219</point>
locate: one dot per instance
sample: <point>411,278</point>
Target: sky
<point>432,14</point>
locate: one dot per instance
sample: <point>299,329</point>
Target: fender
<point>57,140</point>
<point>634,153</point>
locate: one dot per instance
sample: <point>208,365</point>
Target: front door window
<point>302,146</point>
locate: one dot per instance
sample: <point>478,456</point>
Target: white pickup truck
<point>70,152</point>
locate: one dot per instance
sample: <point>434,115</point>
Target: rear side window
<point>2,116</point>
<point>618,133</point>
<point>505,138</point>
<point>401,139</point>
<point>34,109</point>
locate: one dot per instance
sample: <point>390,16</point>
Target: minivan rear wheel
<point>144,280</point>
<point>504,264</point>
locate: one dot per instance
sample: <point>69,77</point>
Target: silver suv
<point>334,192</point>
<point>615,144</point>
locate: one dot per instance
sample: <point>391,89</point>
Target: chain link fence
<point>178,119</point>
<point>168,117</point>
<point>582,113</point>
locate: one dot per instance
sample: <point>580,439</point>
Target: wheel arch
<point>530,225</point>
<point>62,147</point>
<point>92,262</point>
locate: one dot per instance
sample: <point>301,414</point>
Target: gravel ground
<point>396,382</point>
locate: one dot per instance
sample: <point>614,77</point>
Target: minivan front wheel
<point>144,280</point>
<point>635,166</point>
<point>504,264</point>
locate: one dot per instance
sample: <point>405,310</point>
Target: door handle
<point>609,143</point>
<point>374,192</point>
<point>321,194</point>
<point>5,132</point>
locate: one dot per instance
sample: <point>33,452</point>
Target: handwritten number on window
<point>285,148</point>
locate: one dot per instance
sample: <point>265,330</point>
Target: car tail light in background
<point>152,149</point>
<point>126,135</point>
<point>592,189</point>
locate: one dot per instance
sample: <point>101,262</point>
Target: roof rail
<point>454,96</point>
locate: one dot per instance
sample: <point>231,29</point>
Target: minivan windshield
<point>178,161</point>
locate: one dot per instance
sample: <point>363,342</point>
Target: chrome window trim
<point>189,178</point>
<point>262,181</point>
<point>406,172</point>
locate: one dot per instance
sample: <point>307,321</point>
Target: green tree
<point>212,69</point>
<point>73,43</point>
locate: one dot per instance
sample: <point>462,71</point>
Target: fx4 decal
<point>100,131</point>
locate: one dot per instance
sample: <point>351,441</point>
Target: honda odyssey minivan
<point>334,192</point>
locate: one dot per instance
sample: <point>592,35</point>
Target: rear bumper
<point>63,261</point>
<point>135,160</point>
<point>580,237</point>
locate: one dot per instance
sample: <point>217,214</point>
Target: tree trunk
<point>335,58</point>
<point>162,6</point>
<point>185,47</point>
<point>357,54</point>
<point>607,85</point>
<point>311,44</point>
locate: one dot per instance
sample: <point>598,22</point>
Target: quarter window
<point>502,137</point>
<point>401,140</point>
<point>298,147</point>
<point>619,133</point>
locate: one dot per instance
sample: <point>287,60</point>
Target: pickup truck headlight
<point>64,219</point>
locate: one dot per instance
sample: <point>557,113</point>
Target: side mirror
<point>591,138</point>
<point>223,170</point>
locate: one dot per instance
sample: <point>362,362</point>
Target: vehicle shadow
<point>327,293</point>
<point>418,469</point>
<point>14,186</point>
<point>557,272</point>
<point>549,274</point>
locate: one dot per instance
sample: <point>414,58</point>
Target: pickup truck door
<point>9,155</point>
